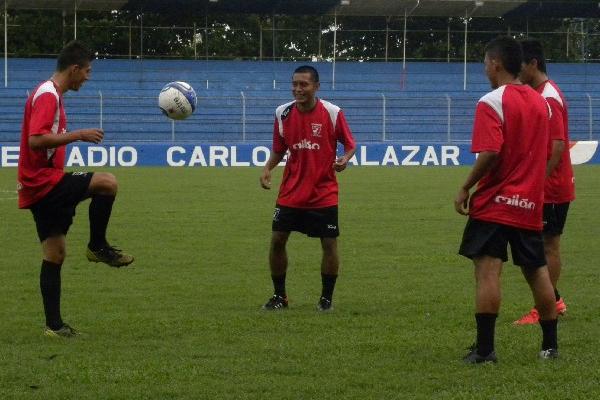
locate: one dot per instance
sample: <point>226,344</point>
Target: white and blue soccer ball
<point>177,100</point>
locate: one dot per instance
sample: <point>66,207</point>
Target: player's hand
<point>340,164</point>
<point>91,135</point>
<point>461,202</point>
<point>265,179</point>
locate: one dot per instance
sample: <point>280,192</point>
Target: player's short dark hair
<point>74,53</point>
<point>533,50</point>
<point>311,70</point>
<point>508,51</point>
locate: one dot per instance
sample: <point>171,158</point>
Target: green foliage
<point>183,322</point>
<point>297,37</point>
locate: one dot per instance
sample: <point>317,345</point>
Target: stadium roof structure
<point>429,8</point>
<point>81,5</point>
<point>415,8</point>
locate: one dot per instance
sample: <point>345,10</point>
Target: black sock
<point>50,288</point>
<point>486,326</point>
<point>100,209</point>
<point>328,285</point>
<point>556,294</point>
<point>279,284</point>
<point>549,332</point>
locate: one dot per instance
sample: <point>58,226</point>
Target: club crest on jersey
<point>316,129</point>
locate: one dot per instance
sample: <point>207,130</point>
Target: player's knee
<point>106,183</point>
<point>55,255</point>
<point>329,245</point>
<point>278,242</point>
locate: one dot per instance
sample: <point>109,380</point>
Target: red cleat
<point>532,317</point>
<point>561,307</point>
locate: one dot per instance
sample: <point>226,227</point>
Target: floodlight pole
<point>141,35</point>
<point>465,55</point>
<point>404,44</point>
<point>75,20</point>
<point>406,14</point>
<point>195,43</point>
<point>5,45</point>
<point>387,34</point>
<point>334,48</point>
<point>260,50</point>
<point>130,40</point>
<point>448,51</point>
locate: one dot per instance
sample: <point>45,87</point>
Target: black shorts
<point>555,216</point>
<point>53,214</point>
<point>316,222</point>
<point>483,238</point>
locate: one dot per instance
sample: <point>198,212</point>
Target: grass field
<point>184,322</point>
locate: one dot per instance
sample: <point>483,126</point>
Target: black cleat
<point>324,305</point>
<point>276,303</point>
<point>548,354</point>
<point>474,358</point>
<point>109,255</point>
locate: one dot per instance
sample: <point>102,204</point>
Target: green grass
<point>184,321</point>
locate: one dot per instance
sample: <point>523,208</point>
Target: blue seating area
<point>423,103</point>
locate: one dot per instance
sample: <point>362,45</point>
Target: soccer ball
<point>177,100</point>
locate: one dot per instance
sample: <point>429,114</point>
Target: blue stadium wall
<point>256,154</point>
<point>417,132</point>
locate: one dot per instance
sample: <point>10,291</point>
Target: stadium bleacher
<point>425,103</point>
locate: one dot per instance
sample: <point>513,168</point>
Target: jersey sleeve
<point>557,126</point>
<point>487,130</point>
<point>279,145</point>
<point>43,114</point>
<point>343,133</point>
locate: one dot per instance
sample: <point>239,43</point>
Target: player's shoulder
<point>282,111</point>
<point>494,99</point>
<point>43,88</point>
<point>495,96</point>
<point>329,106</point>
<point>551,91</point>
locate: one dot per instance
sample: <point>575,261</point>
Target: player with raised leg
<point>51,194</point>
<point>309,128</point>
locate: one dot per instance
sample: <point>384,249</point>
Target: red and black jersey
<point>512,121</point>
<point>311,139</point>
<point>560,185</point>
<point>40,170</point>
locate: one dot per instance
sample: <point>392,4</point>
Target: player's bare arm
<point>485,162</point>
<point>341,163</point>
<point>558,146</point>
<point>50,141</point>
<point>265,178</point>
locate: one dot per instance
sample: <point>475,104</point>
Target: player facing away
<point>309,129</point>
<point>50,193</point>
<point>559,190</point>
<point>510,135</point>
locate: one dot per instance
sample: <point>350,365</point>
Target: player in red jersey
<point>510,135</point>
<point>559,190</point>
<point>50,193</point>
<point>309,129</point>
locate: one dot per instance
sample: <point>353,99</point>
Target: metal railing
<point>402,117</point>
